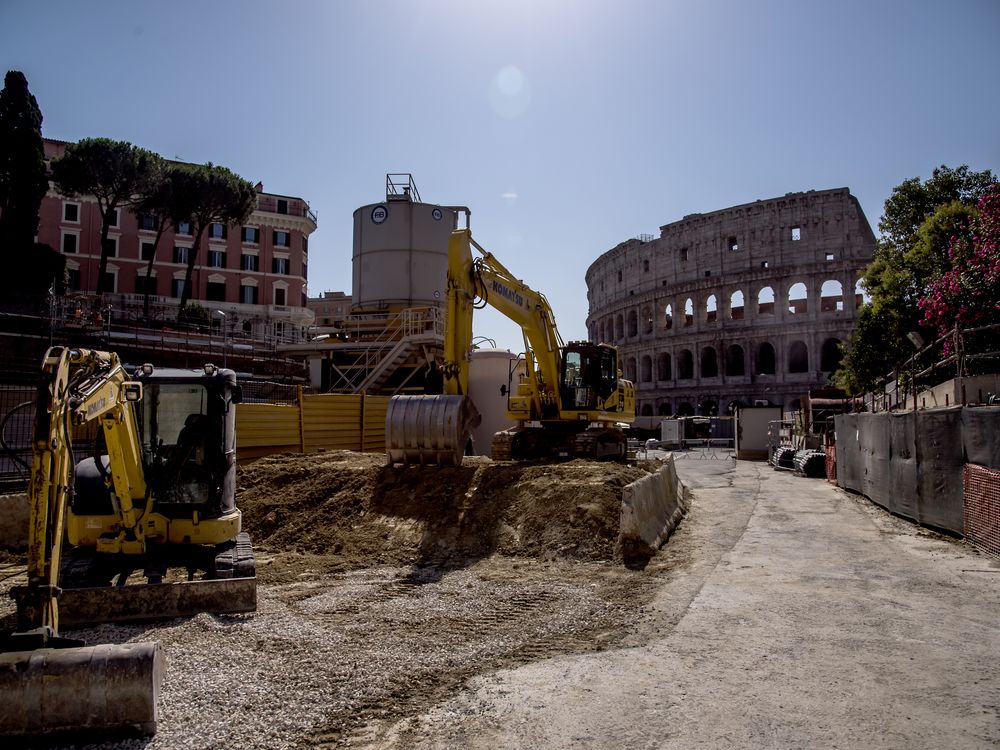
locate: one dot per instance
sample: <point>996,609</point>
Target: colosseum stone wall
<point>743,305</point>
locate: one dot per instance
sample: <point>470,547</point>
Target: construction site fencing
<point>314,422</point>
<point>912,463</point>
<point>982,507</point>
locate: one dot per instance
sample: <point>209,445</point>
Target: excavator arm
<point>476,282</point>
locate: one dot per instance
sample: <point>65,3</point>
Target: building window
<point>796,234</point>
<point>141,285</point>
<point>248,262</point>
<point>282,206</point>
<point>113,219</point>
<point>69,242</point>
<point>183,227</point>
<point>215,291</point>
<point>684,253</point>
<point>829,257</point>
<point>733,245</point>
<point>282,239</point>
<point>147,250</point>
<point>279,266</point>
<point>73,278</point>
<point>251,235</point>
<point>146,222</point>
<point>248,294</point>
<point>111,247</point>
<point>305,244</point>
<point>181,254</point>
<point>619,275</point>
<point>645,266</point>
<point>71,212</point>
<point>763,264</point>
<point>111,280</point>
<point>217,231</point>
<point>216,258</point>
<point>178,288</point>
<point>279,295</point>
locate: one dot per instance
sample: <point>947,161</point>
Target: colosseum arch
<point>709,408</point>
<point>633,324</point>
<point>798,299</point>
<point>689,312</point>
<point>830,355</point>
<point>685,409</point>
<point>663,368</point>
<point>685,365</point>
<point>619,327</point>
<point>736,305</point>
<point>735,361</point>
<point>647,410</point>
<point>668,317</point>
<point>711,309</point>
<point>831,296</point>
<point>765,359</point>
<point>664,409</point>
<point>798,357</point>
<point>765,301</point>
<point>709,362</point>
<point>646,370</point>
<point>630,369</point>
<point>860,295</point>
<point>647,318</point>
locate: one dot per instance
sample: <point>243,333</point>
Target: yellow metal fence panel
<point>374,427</point>
<point>331,422</point>
<point>262,429</point>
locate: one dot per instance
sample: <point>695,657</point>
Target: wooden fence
<point>316,422</point>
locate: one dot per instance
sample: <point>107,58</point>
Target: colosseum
<point>747,305</point>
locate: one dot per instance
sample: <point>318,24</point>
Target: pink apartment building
<point>254,276</point>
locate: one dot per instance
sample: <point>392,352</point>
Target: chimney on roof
<point>259,187</point>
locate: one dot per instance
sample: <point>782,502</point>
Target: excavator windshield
<point>182,447</point>
<point>589,375</point>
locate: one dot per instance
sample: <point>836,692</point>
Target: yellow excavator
<point>158,494</point>
<point>569,403</point>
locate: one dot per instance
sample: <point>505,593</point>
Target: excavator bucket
<point>429,429</point>
<point>108,688</point>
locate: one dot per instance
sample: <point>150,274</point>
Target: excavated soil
<point>359,512</point>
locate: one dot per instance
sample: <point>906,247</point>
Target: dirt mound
<point>353,506</point>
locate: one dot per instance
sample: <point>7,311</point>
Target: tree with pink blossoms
<point>967,295</point>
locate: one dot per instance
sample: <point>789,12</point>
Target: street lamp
<point>225,353</point>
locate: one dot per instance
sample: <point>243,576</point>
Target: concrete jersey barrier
<point>651,509</point>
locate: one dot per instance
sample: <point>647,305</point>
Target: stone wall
<point>743,305</point>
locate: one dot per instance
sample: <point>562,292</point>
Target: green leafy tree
<point>210,194</point>
<point>918,221</point>
<point>22,167</point>
<point>115,173</point>
<point>165,206</point>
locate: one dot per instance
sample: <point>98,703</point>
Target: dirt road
<point>796,616</point>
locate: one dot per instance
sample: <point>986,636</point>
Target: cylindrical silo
<point>489,378</point>
<point>400,254</point>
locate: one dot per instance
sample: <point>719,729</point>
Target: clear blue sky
<point>567,127</point>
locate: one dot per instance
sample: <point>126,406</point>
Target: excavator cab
<point>589,376</point>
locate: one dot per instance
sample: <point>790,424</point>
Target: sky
<point>566,126</point>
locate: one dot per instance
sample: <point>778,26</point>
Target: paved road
<point>795,615</point>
